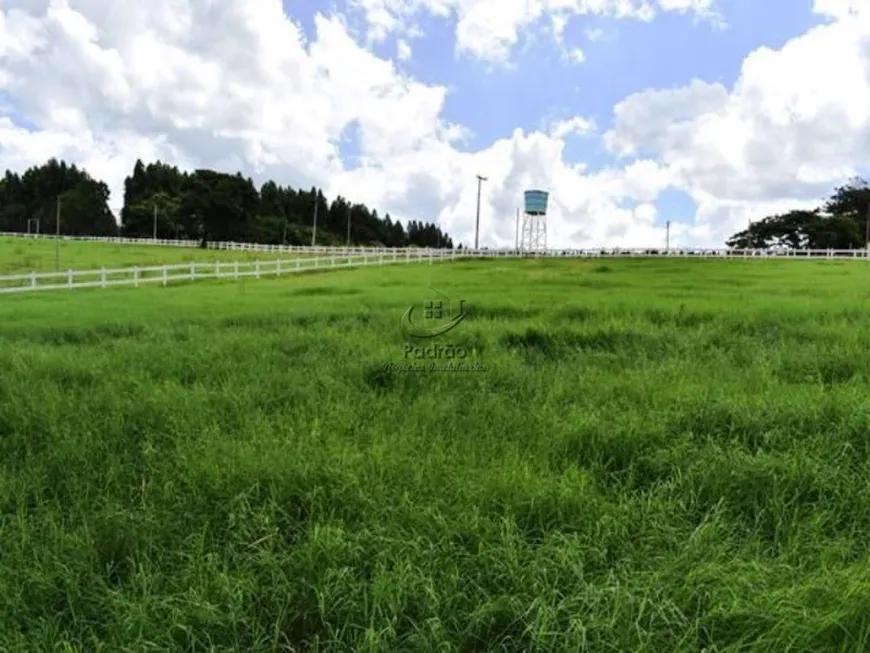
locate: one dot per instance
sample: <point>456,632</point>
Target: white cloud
<point>794,124</point>
<point>574,55</point>
<point>702,9</point>
<point>489,29</point>
<point>594,35</point>
<point>403,50</point>
<point>236,85</point>
<point>838,9</point>
<point>575,125</point>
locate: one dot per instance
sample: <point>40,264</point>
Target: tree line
<point>841,222</point>
<point>161,200</point>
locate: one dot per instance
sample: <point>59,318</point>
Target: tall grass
<point>660,455</point>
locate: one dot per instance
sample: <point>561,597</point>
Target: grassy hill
<point>647,455</point>
<point>20,256</point>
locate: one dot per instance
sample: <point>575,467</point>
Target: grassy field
<point>20,256</point>
<point>660,455</point>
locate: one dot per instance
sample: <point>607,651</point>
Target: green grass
<point>661,455</point>
<point>20,256</point>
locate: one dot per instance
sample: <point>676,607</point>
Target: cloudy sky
<point>707,113</point>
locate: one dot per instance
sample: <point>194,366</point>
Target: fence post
<point>33,279</point>
<point>278,268</point>
<point>257,268</point>
<point>236,265</point>
<point>193,271</point>
<point>103,277</point>
<point>165,274</point>
<point>69,278</point>
<point>135,277</point>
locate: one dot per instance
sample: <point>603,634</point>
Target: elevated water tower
<point>533,237</point>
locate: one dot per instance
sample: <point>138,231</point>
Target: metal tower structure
<point>534,231</point>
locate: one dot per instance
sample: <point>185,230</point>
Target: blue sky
<point>633,55</point>
<point>791,133</point>
<point>541,85</point>
<point>8,108</point>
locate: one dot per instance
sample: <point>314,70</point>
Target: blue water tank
<point>536,202</point>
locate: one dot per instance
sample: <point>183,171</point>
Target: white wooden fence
<point>581,253</point>
<point>641,252</point>
<point>166,274</point>
<point>349,257</point>
<point>239,247</point>
<point>105,239</point>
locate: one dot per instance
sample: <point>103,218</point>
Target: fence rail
<point>166,274</point>
<point>675,253</point>
<point>343,257</point>
<point>221,245</point>
<point>165,242</point>
<point>588,252</point>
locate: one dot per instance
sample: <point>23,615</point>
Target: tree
<point>85,210</point>
<point>839,224</point>
<point>35,194</point>
<point>851,199</point>
<point>200,205</point>
<point>221,207</point>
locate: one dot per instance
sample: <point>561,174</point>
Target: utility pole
<point>57,237</point>
<point>668,236</point>
<point>155,222</point>
<point>314,232</point>
<point>517,246</point>
<point>284,236</point>
<point>348,228</point>
<point>867,229</point>
<point>480,181</point>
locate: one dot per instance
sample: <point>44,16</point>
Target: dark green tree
<point>200,205</point>
<point>841,223</point>
<point>34,195</point>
